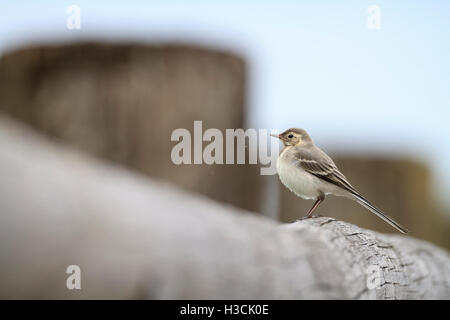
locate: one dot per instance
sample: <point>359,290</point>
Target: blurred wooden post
<point>122,102</point>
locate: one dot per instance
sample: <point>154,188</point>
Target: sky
<point>312,65</point>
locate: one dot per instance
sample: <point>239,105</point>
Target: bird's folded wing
<point>317,163</point>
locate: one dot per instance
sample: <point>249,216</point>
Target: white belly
<point>302,183</point>
<point>298,181</point>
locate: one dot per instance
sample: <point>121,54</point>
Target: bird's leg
<point>316,204</point>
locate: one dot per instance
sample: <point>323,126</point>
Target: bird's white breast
<point>302,183</point>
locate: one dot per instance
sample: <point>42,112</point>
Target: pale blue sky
<point>312,65</point>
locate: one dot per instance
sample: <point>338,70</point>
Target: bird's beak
<point>279,136</point>
<point>276,135</point>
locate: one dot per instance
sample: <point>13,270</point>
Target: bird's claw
<point>309,217</point>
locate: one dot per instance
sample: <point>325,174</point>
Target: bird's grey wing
<point>319,164</point>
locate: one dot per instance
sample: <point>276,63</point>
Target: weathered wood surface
<point>137,238</point>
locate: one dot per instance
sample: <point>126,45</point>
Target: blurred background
<point>371,86</point>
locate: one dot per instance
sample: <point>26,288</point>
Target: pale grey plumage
<point>311,174</point>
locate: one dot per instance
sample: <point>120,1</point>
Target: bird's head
<point>294,137</point>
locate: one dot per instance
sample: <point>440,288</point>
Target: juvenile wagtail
<point>311,174</point>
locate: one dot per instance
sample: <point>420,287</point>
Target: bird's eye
<point>290,136</point>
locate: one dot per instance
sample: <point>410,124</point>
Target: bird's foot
<point>310,216</point>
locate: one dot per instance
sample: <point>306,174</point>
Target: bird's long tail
<point>364,202</point>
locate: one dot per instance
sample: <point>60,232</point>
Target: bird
<point>310,173</point>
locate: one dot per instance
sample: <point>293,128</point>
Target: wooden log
<point>133,237</point>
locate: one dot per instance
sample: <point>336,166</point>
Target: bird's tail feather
<point>364,202</point>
